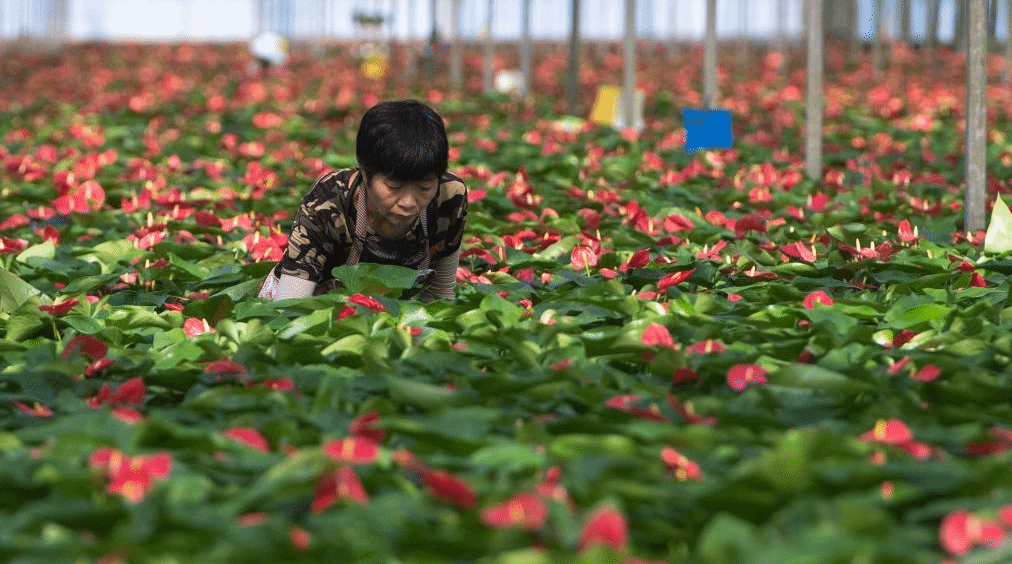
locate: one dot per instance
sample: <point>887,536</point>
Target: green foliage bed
<point>654,356</point>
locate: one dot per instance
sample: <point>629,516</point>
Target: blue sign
<point>706,129</point>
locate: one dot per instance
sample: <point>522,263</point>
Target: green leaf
<point>370,278</point>
<point>213,309</point>
<point>109,253</point>
<point>998,238</point>
<point>83,324</point>
<point>726,540</point>
<point>817,378</point>
<point>841,322</point>
<point>918,315</point>
<point>14,291</point>
<point>509,457</point>
<point>46,250</point>
<point>196,271</point>
<point>425,396</point>
<point>305,323</point>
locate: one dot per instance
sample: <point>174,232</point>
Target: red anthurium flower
<point>355,450</point>
<point>301,539</point>
<point>1005,513</point>
<point>689,414</point>
<point>87,197</point>
<point>194,326</point>
<point>98,367</point>
<point>903,337</point>
<point>12,246</point>
<point>283,384</point>
<point>127,415</point>
<point>131,477</point>
<point>800,251</point>
<point>14,221</point>
<point>906,234</point>
<point>367,302</point>
<point>251,519</point>
<point>341,483</point>
<point>960,531</point>
<point>712,253</point>
<point>673,279</point>
<point>60,308</point>
<point>683,468</point>
<point>248,436</point>
<point>740,376</point>
<point>748,223</point>
<point>363,427</point>
<point>817,297</point>
<point>706,347</point>
<point>896,432</point>
<point>628,403</point>
<point>87,346</point>
<point>562,364</point>
<point>927,373</point>
<point>656,334</point>
<point>266,120</point>
<point>683,376</point>
<point>639,259</point>
<point>446,486</point>
<point>36,410</point>
<point>581,257</point>
<point>523,510</point>
<point>889,431</point>
<point>897,367</point>
<point>130,391</point>
<point>605,526</point>
<point>550,488</point>
<point>525,275</point>
<point>1002,443</point>
<point>226,368</point>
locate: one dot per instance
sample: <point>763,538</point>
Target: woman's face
<point>398,203</point>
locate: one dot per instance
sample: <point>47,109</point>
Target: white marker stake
<point>813,112</point>
<point>976,116</point>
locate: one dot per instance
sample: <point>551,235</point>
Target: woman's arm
<point>444,279</point>
<point>292,287</point>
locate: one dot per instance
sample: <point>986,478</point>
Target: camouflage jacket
<point>324,226</point>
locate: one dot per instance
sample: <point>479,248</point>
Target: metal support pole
<point>1008,43</point>
<point>743,16</point>
<point>573,86</point>
<point>673,43</point>
<point>813,112</point>
<point>525,50</point>
<point>905,21</point>
<point>880,31</point>
<point>456,50</point>
<point>781,36</point>
<point>976,116</point>
<point>629,65</point>
<point>932,32</point>
<point>710,57</point>
<point>489,50</point>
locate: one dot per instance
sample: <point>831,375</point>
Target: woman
<point>399,206</point>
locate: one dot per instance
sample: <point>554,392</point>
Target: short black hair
<point>403,140</point>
